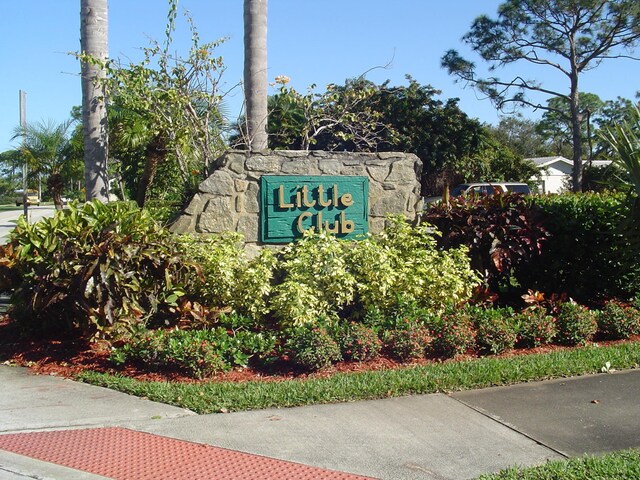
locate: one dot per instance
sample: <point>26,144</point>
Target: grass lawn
<point>210,397</point>
<point>8,208</point>
<point>619,465</point>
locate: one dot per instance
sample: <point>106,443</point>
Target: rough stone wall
<point>229,200</point>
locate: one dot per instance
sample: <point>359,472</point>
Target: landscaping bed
<point>105,294</point>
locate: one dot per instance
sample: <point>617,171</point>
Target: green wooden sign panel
<point>292,204</point>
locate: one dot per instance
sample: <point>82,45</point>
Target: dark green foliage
<point>576,324</point>
<point>93,268</point>
<point>312,348</point>
<point>535,327</point>
<point>496,330</point>
<point>452,146</point>
<point>503,232</point>
<point>408,341</point>
<point>197,353</point>
<point>584,254</point>
<point>453,334</point>
<point>358,342</point>
<point>174,350</point>
<point>618,320</point>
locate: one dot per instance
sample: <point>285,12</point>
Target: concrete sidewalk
<point>435,436</point>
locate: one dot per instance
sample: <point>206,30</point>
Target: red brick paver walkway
<point>123,454</point>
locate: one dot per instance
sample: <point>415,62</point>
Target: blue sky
<point>310,41</point>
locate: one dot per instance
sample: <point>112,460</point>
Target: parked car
<point>490,188</point>
<point>482,188</point>
<point>32,197</point>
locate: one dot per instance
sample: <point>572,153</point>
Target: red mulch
<point>68,357</point>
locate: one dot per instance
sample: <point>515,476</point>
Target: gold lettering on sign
<point>336,196</point>
<point>347,200</point>
<point>335,229</point>
<point>305,197</point>
<point>347,226</point>
<point>298,197</point>
<point>281,202</point>
<point>299,225</point>
<point>321,201</point>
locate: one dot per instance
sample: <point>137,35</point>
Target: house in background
<point>555,172</point>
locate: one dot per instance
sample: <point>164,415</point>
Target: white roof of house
<point>546,161</point>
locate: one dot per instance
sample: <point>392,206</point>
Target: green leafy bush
<point>162,211</point>
<point>404,262</point>
<point>576,324</point>
<point>312,347</point>
<point>453,334</point>
<point>313,280</point>
<point>496,330</point>
<point>408,341</point>
<point>95,267</point>
<point>358,342</point>
<point>535,327</point>
<point>502,232</point>
<point>320,276</point>
<point>229,278</point>
<point>618,320</point>
<point>586,253</point>
<point>198,353</point>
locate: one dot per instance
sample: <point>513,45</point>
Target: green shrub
<point>403,262</point>
<point>162,211</point>
<point>576,324</point>
<point>496,330</point>
<point>312,347</point>
<point>408,341</point>
<point>585,255</point>
<point>358,342</point>
<point>229,279</point>
<point>453,334</point>
<point>94,268</point>
<point>197,353</point>
<point>535,327</point>
<point>313,280</point>
<point>618,320</point>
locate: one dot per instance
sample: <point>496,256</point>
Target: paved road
<point>7,219</point>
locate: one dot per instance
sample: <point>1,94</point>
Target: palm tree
<point>46,146</point>
<point>94,43</point>
<point>255,72</point>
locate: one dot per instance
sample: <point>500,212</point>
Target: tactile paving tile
<point>123,454</point>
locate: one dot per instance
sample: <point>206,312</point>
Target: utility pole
<point>23,124</point>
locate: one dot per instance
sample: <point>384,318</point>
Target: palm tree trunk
<point>154,155</point>
<point>94,42</point>
<point>55,184</point>
<point>255,72</point>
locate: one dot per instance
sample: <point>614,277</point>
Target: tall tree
<point>521,136</point>
<point>556,126</point>
<point>94,43</point>
<point>255,72</point>
<point>569,36</point>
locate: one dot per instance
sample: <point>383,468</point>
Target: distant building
<point>555,172</point>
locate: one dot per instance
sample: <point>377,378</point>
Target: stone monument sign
<point>274,196</point>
